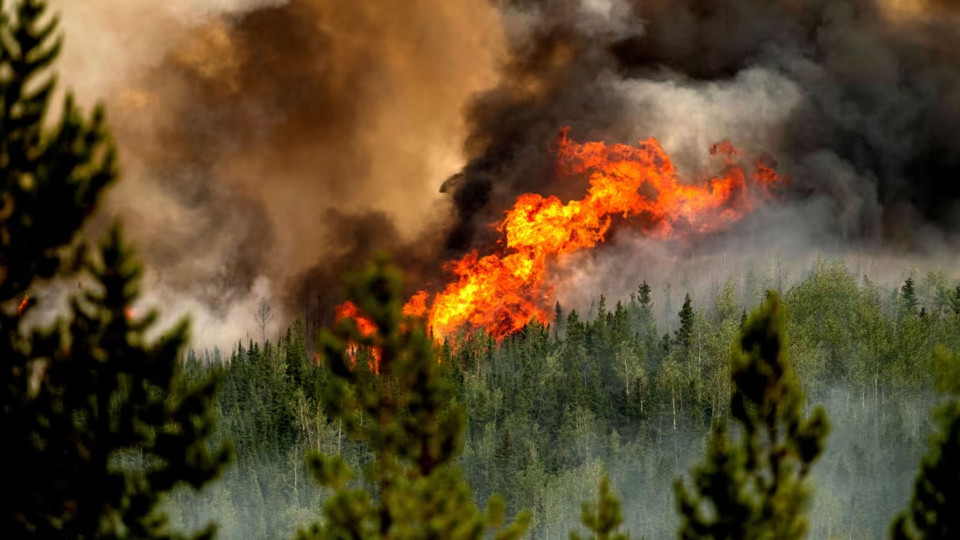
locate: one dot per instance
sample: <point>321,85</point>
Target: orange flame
<point>366,327</point>
<point>502,292</point>
<point>23,305</point>
<point>417,305</point>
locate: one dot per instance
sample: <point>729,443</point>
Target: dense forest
<point>826,406</point>
<point>624,389</point>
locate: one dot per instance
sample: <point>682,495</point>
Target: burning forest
<point>637,185</point>
<point>522,269</point>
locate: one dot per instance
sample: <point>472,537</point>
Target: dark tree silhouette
<point>97,425</point>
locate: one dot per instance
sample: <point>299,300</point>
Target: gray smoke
<point>268,144</point>
<point>856,99</point>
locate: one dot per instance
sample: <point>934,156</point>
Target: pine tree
<point>644,291</point>
<point>908,296</point>
<point>51,179</point>
<point>756,488</point>
<point>646,326</point>
<point>932,514</point>
<point>98,424</point>
<point>409,424</point>
<point>602,518</point>
<point>683,337</point>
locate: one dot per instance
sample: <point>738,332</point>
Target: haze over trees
<point>109,432</point>
<point>552,410</point>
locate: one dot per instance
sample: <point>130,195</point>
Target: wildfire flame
<point>502,292</point>
<point>23,305</point>
<point>366,328</point>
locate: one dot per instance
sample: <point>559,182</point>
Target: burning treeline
<point>865,143</point>
<point>636,185</point>
<point>342,124</point>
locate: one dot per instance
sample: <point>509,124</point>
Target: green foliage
<point>98,425</point>
<point>908,296</point>
<point>756,488</point>
<point>932,514</point>
<point>547,413</point>
<point>51,179</point>
<point>602,518</point>
<point>406,417</point>
<point>684,334</point>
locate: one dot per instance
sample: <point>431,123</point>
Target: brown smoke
<point>287,139</point>
<point>243,124</point>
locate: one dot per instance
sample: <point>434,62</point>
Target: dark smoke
<point>872,137</point>
<point>248,129</point>
<point>288,140</point>
<point>275,114</point>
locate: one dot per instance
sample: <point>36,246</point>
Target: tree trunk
<point>673,403</point>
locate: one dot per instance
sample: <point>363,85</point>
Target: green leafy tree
<point>405,417</point>
<point>558,321</point>
<point>629,366</point>
<point>602,518</point>
<point>97,423</point>
<point>932,514</point>
<point>955,301</point>
<point>755,488</point>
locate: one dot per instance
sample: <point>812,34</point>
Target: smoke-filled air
<point>512,269</point>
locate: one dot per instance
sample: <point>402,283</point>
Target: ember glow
<point>23,304</point>
<point>366,328</point>
<point>501,292</point>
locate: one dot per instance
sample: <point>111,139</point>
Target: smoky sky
<point>273,138</point>
<point>871,132</point>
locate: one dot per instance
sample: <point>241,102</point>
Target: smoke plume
<point>283,141</point>
<point>856,99</point>
<point>249,129</point>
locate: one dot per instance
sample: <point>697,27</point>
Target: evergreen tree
<point>665,345</point>
<point>756,488</point>
<point>602,518</point>
<point>646,326</point>
<point>406,418</point>
<point>683,336</point>
<point>98,425</point>
<point>643,295</point>
<point>932,514</point>
<point>908,296</point>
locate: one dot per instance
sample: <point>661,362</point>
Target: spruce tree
<point>755,488</point>
<point>97,424</point>
<point>412,488</point>
<point>932,514</point>
<point>908,296</point>
<point>683,337</point>
<point>643,293</point>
